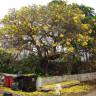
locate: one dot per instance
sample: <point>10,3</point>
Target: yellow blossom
<point>84,44</point>
<point>70,49</point>
<point>61,35</point>
<point>85,26</point>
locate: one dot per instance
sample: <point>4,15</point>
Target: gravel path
<point>93,93</point>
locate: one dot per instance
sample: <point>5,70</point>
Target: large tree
<point>49,31</point>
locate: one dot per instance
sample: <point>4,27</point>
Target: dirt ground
<point>93,93</point>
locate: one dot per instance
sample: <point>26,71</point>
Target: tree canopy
<point>51,32</point>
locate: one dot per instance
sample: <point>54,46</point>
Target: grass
<point>62,83</point>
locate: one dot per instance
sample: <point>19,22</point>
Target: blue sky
<point>6,4</point>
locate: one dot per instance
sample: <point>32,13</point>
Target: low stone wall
<point>55,79</point>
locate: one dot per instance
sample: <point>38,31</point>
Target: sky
<point>7,4</point>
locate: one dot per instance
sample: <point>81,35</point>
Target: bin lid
<point>26,75</point>
<point>10,75</point>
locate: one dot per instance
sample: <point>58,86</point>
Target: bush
<point>29,64</point>
<point>57,67</point>
<point>6,62</point>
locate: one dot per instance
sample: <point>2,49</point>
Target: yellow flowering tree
<point>42,29</point>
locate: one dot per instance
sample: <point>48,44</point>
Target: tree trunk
<point>44,65</point>
<point>69,68</point>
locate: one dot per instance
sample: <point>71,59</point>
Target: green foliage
<point>6,62</point>
<point>57,67</point>
<point>29,64</point>
<point>88,11</point>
